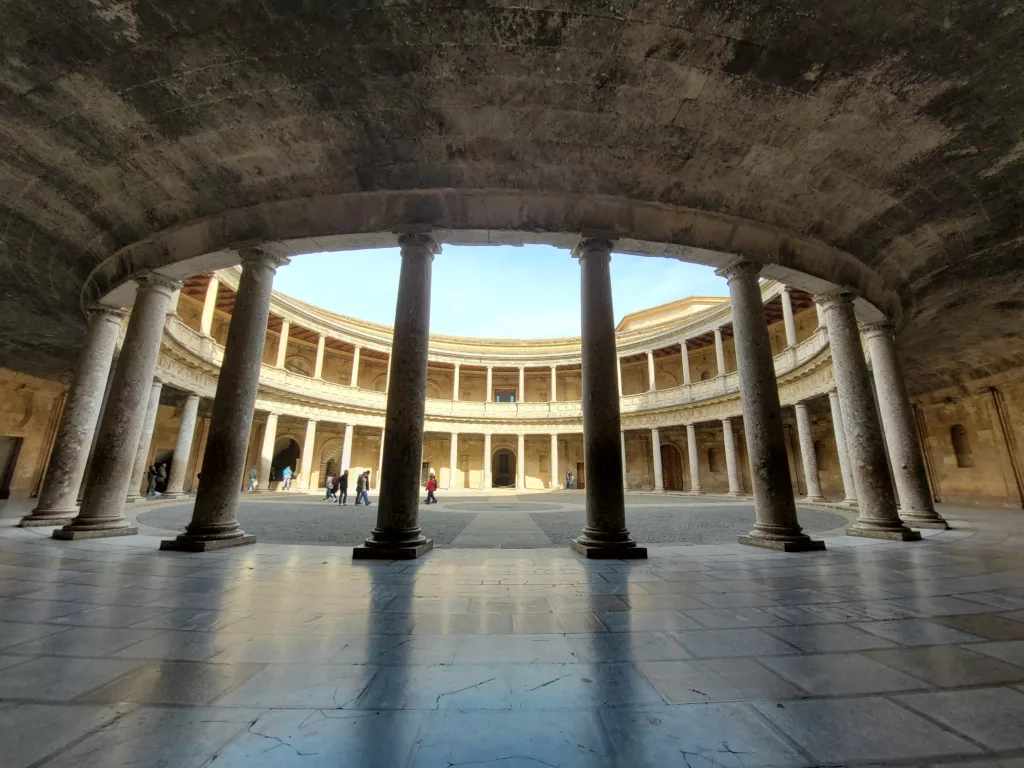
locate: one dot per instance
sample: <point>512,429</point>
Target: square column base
<point>696,493</point>
<point>868,533</point>
<point>104,533</point>
<point>806,545</point>
<point>937,525</point>
<point>44,522</point>
<point>609,553</point>
<point>396,552</point>
<point>205,545</point>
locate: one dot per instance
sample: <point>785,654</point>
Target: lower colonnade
<point>801,423</point>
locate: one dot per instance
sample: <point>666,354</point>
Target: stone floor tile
<point>985,625</point>
<point>917,632</point>
<point>83,641</point>
<point>284,649</point>
<point>52,678</point>
<point>190,618</point>
<point>732,618</point>
<point>707,680</point>
<point>840,674</point>
<point>949,666</point>
<point>1001,600</point>
<point>991,716</point>
<point>558,623</point>
<point>14,633</point>
<point>110,616</point>
<point>663,602</point>
<point>735,599</point>
<point>295,686</point>
<point>935,606</point>
<point>732,642</point>
<point>840,731</point>
<point>462,624</point>
<point>828,638</point>
<point>518,649</point>
<point>720,735</point>
<point>33,731</point>
<point>16,609</point>
<point>627,646</point>
<point>187,683</point>
<point>509,605</point>
<point>12,661</point>
<point>182,646</point>
<point>1010,650</point>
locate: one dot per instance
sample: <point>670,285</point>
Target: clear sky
<point>491,291</point>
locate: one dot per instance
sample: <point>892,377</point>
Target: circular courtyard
<point>504,522</point>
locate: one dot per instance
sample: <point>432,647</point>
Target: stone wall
<point>30,410</point>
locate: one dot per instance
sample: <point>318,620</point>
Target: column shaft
<point>618,373</point>
<point>380,461</point>
<point>521,461</point>
<point>346,448</point>
<point>906,459</point>
<point>140,466</point>
<point>625,466</point>
<point>209,306</point>
<point>267,451</point>
<point>121,426</point>
<point>213,523</point>
<point>849,490</point>
<point>720,351</point>
<point>489,395</point>
<point>282,343</point>
<point>878,517</point>
<point>318,366</point>
<point>684,354</point>
<point>605,534</point>
<point>354,379</point>
<point>693,454</point>
<point>777,526</point>
<point>651,385</point>
<point>522,385</point>
<point>453,461</point>
<point>659,477</point>
<point>554,384</point>
<point>58,497</point>
<point>183,446</point>
<point>787,317</point>
<point>308,445</point>
<point>731,464</point>
<point>398,534</point>
<point>807,455</point>
<point>455,384</point>
<point>488,479</point>
<point>554,463</point>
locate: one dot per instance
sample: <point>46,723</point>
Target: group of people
<point>337,488</point>
<point>156,480</point>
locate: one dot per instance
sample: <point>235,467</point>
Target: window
<point>504,395</point>
<point>713,460</point>
<point>962,449</point>
<point>704,375</point>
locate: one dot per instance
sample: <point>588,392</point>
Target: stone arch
<point>298,364</point>
<point>665,380</point>
<point>961,446</point>
<point>433,389</point>
<point>705,375</point>
<point>380,384</point>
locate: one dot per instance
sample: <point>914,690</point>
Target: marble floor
<point>115,654</point>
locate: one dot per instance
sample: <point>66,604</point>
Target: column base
<point>177,495</point>
<point>50,517</point>
<point>185,543</point>
<point>624,551</point>
<point>392,551</point>
<point>890,534</point>
<point>804,544</point>
<point>68,533</point>
<point>735,494</point>
<point>933,521</point>
<point>698,492</point>
<point>814,500</point>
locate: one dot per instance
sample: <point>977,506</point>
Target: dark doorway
<point>671,467</point>
<point>286,454</point>
<point>10,447</point>
<point>503,469</point>
<point>504,396</point>
<point>580,480</point>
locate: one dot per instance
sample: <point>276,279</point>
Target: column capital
<point>800,406</point>
<point>883,327</point>
<point>418,243</point>
<point>261,258</point>
<point>312,421</point>
<point>154,281</point>
<point>834,298</point>
<point>592,246</point>
<point>106,311</point>
<point>738,268</point>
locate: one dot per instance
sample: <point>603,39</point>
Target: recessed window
<point>961,446</point>
<point>712,460</point>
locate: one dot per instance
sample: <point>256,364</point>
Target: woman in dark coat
<point>343,488</point>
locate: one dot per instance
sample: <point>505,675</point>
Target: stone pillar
<point>140,466</point>
<point>554,463</point>
<point>821,315</point>
<point>387,377</point>
<point>693,454</point>
<point>720,351</point>
<point>455,384</point>
<point>488,479</point>
<point>878,517</point>
<point>605,534</point>
<point>521,461</point>
<point>183,447</point>
<point>308,444</point>
<point>651,386</point>
<point>209,306</point>
<point>787,318</point>
<point>731,464</point>
<point>807,455</point>
<point>58,498</point>
<point>554,383</point>
<point>346,448</point>
<point>777,526</point>
<point>354,380</point>
<point>106,484</point>
<point>684,354</point>
<point>282,343</point>
<point>618,373</point>
<point>380,460</point>
<point>905,457</point>
<point>849,490</point>
<point>522,385</point>
<point>398,535</point>
<point>267,451</point>
<point>625,470</point>
<point>490,385</point>
<point>453,460</point>
<point>213,524</point>
<point>318,367</point>
<point>659,476</point>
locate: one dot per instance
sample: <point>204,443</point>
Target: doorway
<point>671,467</point>
<point>503,469</point>
<point>286,454</point>
<point>580,481</point>
<point>10,447</point>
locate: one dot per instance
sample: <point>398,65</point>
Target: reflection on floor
<point>112,653</point>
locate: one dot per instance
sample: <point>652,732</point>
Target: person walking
<point>252,479</point>
<point>568,480</point>
<point>286,478</point>
<point>360,488</point>
<point>329,485</point>
<point>343,488</point>
<point>431,487</point>
<point>161,479</point>
<point>151,481</point>
<point>366,487</point>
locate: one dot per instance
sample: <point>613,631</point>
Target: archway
<point>503,468</point>
<point>286,454</point>
<point>672,467</point>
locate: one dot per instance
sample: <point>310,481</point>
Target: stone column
<point>522,384</point>
<point>554,463</point>
<point>554,383</point>
<point>849,490</point>
<point>106,484</point>
<point>387,377</point>
<point>777,526</point>
<point>318,367</point>
<point>141,464</point>
<point>731,464</point>
<point>282,343</point>
<point>209,306</point>
<point>878,517</point>
<point>684,354</point>
<point>354,380</point>
<point>521,461</point>
<point>625,469</point>
<point>183,447</point>
<point>618,373</point>
<point>651,386</point>
<point>380,460</point>
<point>488,478</point>
<point>213,524</point>
<point>346,448</point>
<point>905,457</point>
<point>267,451</point>
<point>489,394</point>
<point>58,498</point>
<point>720,351</point>
<point>455,384</point>
<point>308,445</point>
<point>821,315</point>
<point>807,455</point>
<point>659,476</point>
<point>605,534</point>
<point>787,317</point>
<point>693,454</point>
<point>398,535</point>
<point>453,460</point>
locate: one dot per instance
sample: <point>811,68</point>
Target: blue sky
<point>492,291</point>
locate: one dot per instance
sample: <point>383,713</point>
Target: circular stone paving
<point>502,506</point>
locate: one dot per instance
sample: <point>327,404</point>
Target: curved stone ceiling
<point>892,133</point>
